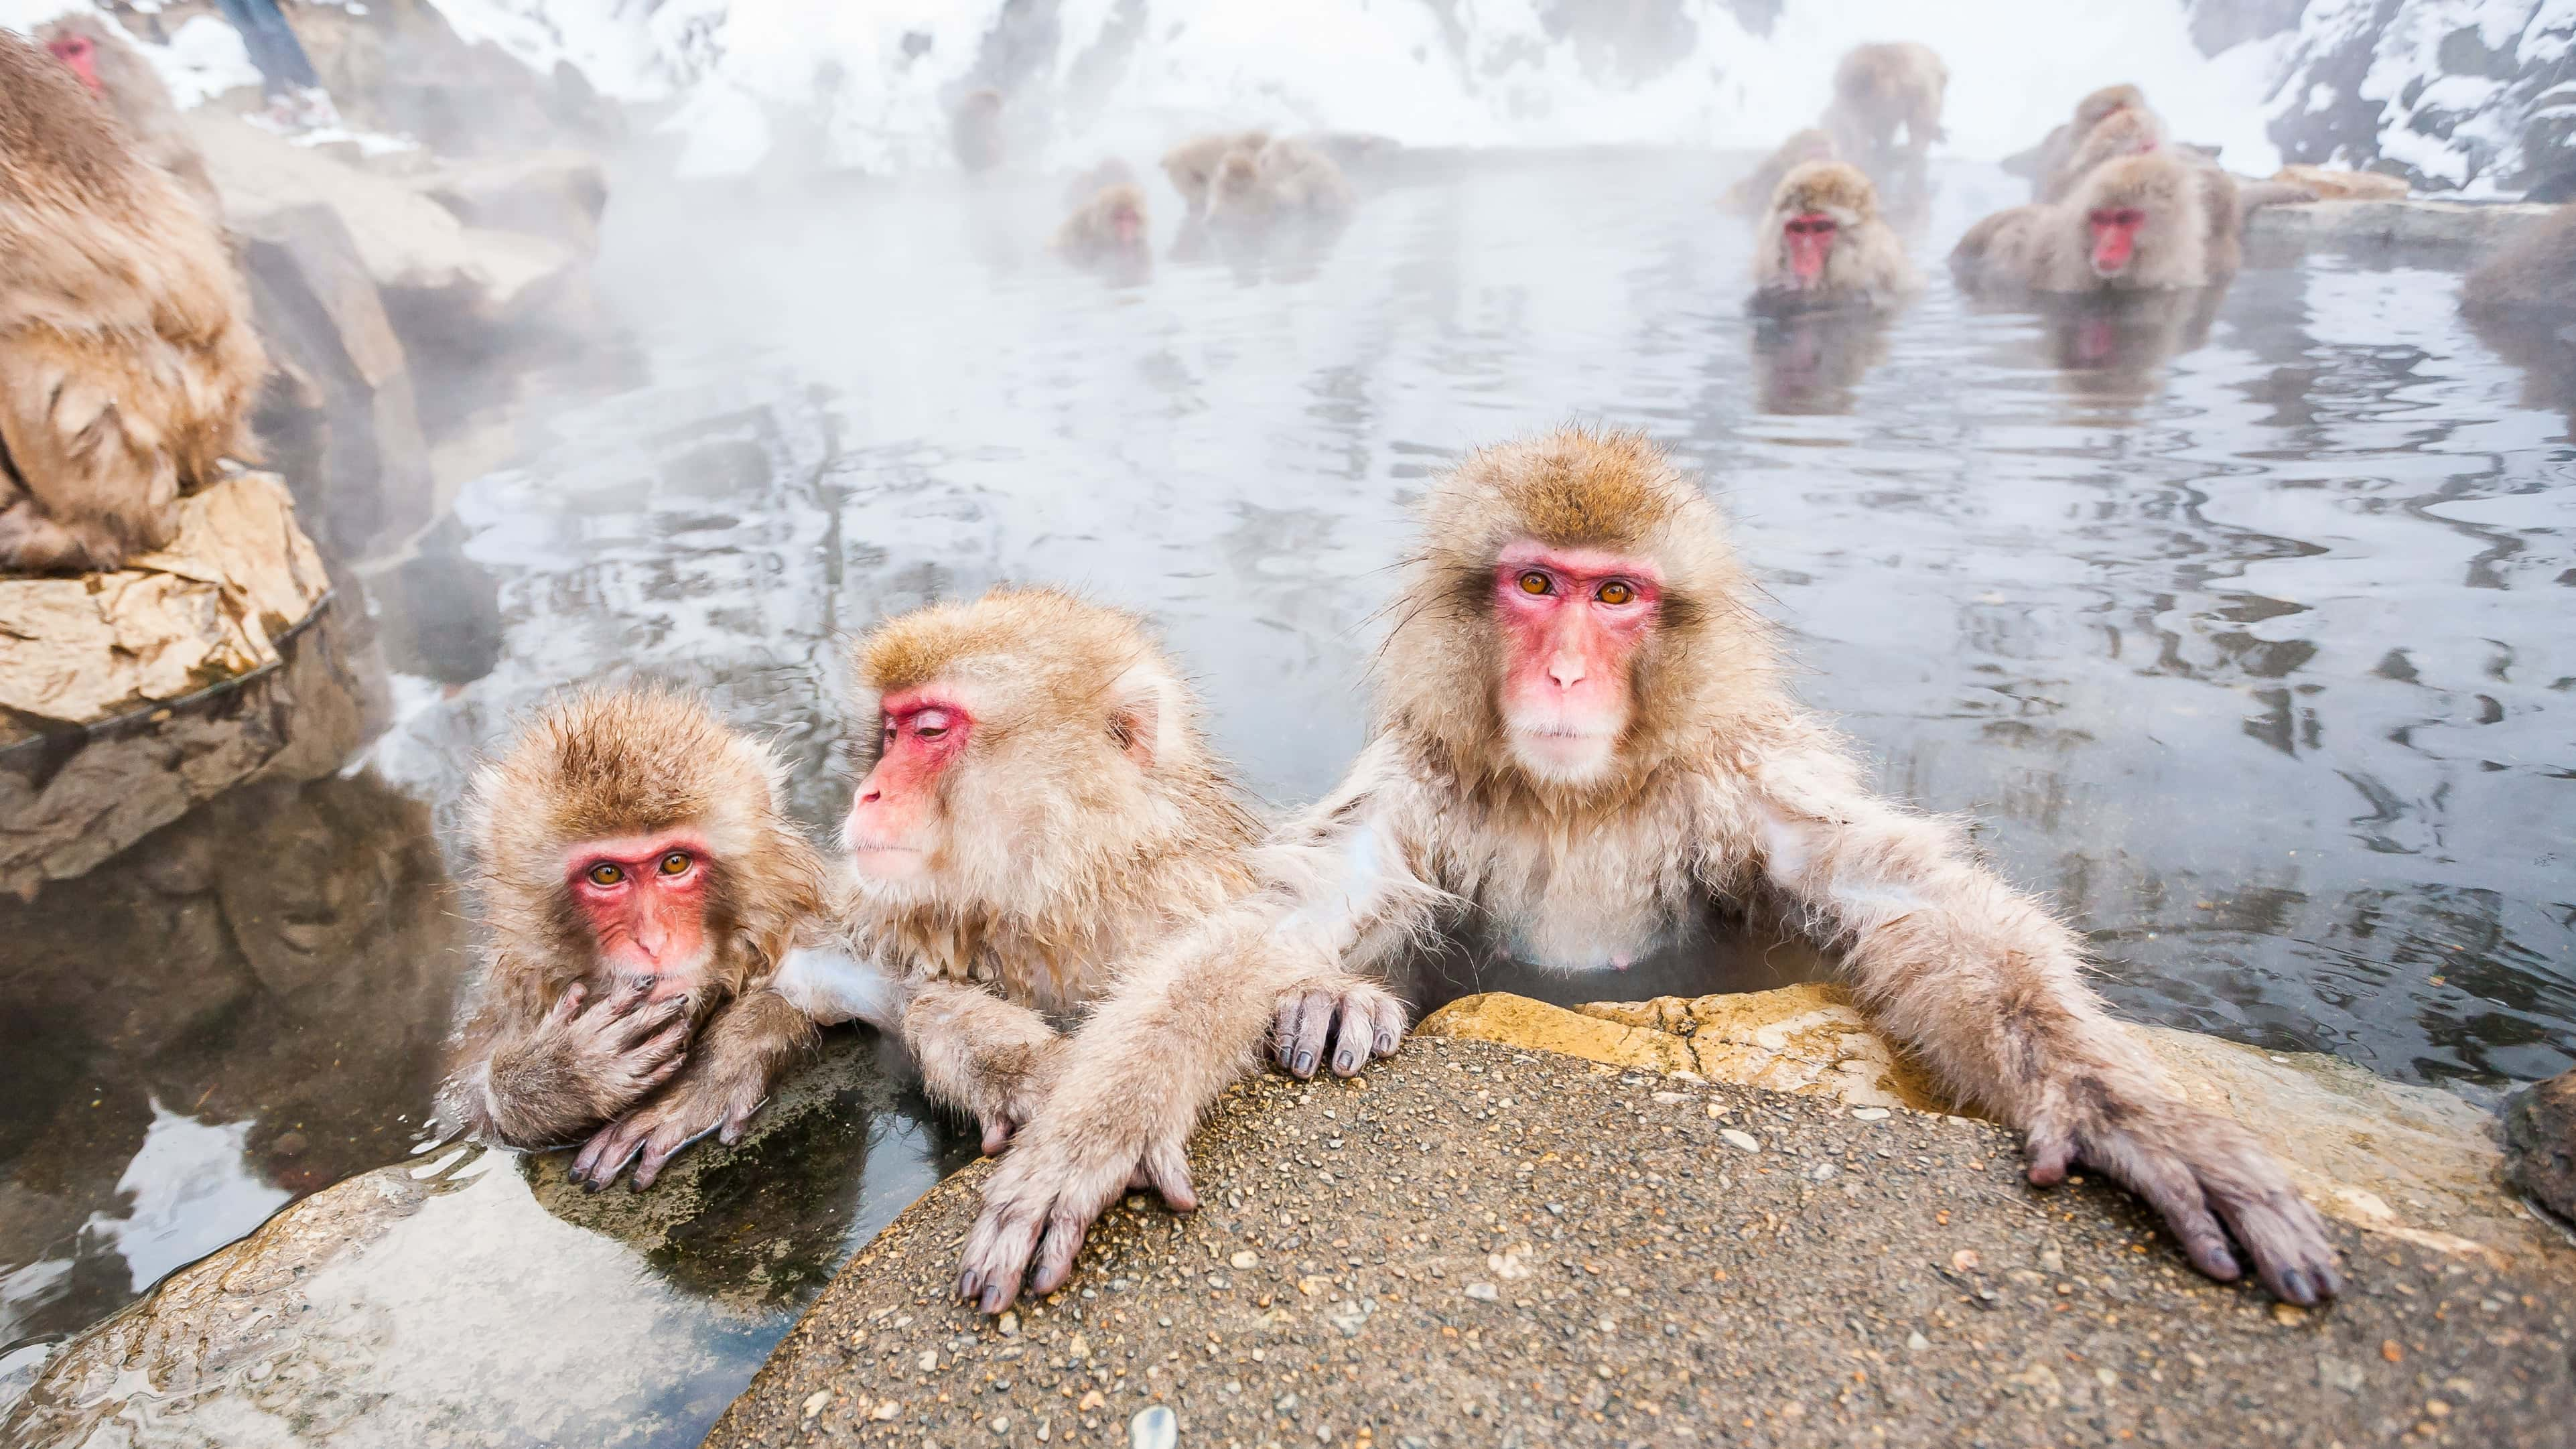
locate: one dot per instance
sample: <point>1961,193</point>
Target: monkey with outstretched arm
<point>1581,729</point>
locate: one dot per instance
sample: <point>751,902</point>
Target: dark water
<point>2243,626</point>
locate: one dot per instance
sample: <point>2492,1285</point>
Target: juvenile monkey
<point>1108,230</point>
<point>2044,162</point>
<point>642,887</point>
<point>1039,807</point>
<point>1286,183</point>
<point>1752,195</point>
<point>127,361</point>
<point>1882,89</point>
<point>2139,223</point>
<point>1822,244</point>
<point>116,73</point>
<point>1192,165</point>
<point>1582,729</point>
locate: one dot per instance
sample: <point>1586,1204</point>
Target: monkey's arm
<point>1187,1020</point>
<point>541,1083</point>
<point>981,1054</point>
<point>738,1053</point>
<point>1986,987</point>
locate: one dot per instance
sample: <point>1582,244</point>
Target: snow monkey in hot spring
<point>1583,730</point>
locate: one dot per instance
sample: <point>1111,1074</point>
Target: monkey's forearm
<point>1979,979</point>
<point>979,1053</point>
<point>748,1043</point>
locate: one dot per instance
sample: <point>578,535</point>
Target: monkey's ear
<point>1145,714</point>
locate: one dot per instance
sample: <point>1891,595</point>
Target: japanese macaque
<point>1583,731</point>
<point>2140,223</point>
<point>643,887</point>
<point>1039,808</point>
<point>1192,165</point>
<point>1107,231</point>
<point>2044,163</point>
<point>118,75</point>
<point>1880,90</point>
<point>1285,183</point>
<point>975,130</point>
<point>2129,131</point>
<point>1823,245</point>
<point>127,361</point>
<point>2535,271</point>
<point>1751,196</point>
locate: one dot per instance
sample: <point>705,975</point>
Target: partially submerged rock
<point>127,697</point>
<point>2445,227</point>
<point>1474,1245</point>
<point>2336,183</point>
<point>2409,1162</point>
<point>471,1297</point>
<point>557,194</point>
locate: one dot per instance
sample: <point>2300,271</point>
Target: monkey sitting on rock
<point>127,361</point>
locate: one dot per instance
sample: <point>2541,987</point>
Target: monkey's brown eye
<point>1535,582</point>
<point>1616,592</point>
<point>675,862</point>
<point>604,874</point>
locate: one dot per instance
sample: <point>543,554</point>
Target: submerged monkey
<point>1582,730</point>
<point>1822,244</point>
<point>643,887</point>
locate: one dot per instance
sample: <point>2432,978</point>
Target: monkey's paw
<point>1352,1016</point>
<point>1043,1200</point>
<point>622,1042</point>
<point>2199,1170</point>
<point>653,1134</point>
<point>1009,1097</point>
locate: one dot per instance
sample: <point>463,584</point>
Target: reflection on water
<point>2243,626</point>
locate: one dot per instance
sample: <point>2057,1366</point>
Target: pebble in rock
<point>1154,1428</point>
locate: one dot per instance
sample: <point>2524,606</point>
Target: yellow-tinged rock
<point>205,609</point>
<point>2336,183</point>
<point>2412,1163</point>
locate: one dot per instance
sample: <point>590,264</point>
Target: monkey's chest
<point>1585,903</point>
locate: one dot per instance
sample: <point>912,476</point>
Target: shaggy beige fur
<point>1867,266</point>
<point>127,361</point>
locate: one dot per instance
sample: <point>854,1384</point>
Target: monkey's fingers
<point>627,997</point>
<point>997,1134</point>
<point>609,1151</point>
<point>666,1142</point>
<point>633,1027</point>
<point>1166,1168</point>
<point>566,1005</point>
<point>1390,1026</point>
<point>1056,1252</point>
<point>2167,1183</point>
<point>997,1255</point>
<point>1305,1022</point>
<point>737,1120</point>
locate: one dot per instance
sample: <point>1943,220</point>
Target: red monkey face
<point>895,814</point>
<point>644,898</point>
<point>1571,622</point>
<point>1809,237</point>
<point>1126,224</point>
<point>2115,238</point>
<point>78,52</point>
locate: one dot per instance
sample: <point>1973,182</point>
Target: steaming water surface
<point>2244,632</point>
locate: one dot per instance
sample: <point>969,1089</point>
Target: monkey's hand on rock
<point>1045,1196</point>
<point>700,1102</point>
<point>591,1056</point>
<point>1007,1097</point>
<point>2200,1171</point>
<point>1351,1018</point>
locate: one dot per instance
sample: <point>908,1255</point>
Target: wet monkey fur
<point>1582,729</point>
<point>127,361</point>
<point>2140,223</point>
<point>642,887</point>
<point>1823,244</point>
<point>1039,807</point>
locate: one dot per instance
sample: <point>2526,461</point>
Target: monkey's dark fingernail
<point>2295,1289</point>
<point>1305,1064</point>
<point>966,1285</point>
<point>991,1302</point>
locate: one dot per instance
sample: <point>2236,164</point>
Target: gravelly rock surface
<point>1488,1246</point>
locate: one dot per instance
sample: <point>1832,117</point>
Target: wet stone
<point>1683,1283</point>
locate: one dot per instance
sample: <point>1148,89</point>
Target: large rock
<point>2540,1143</point>
<point>130,696</point>
<point>1479,1245</point>
<point>2410,1163</point>
<point>339,416</point>
<point>399,66</point>
<point>479,1298</point>
<point>556,194</point>
<point>409,243</point>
